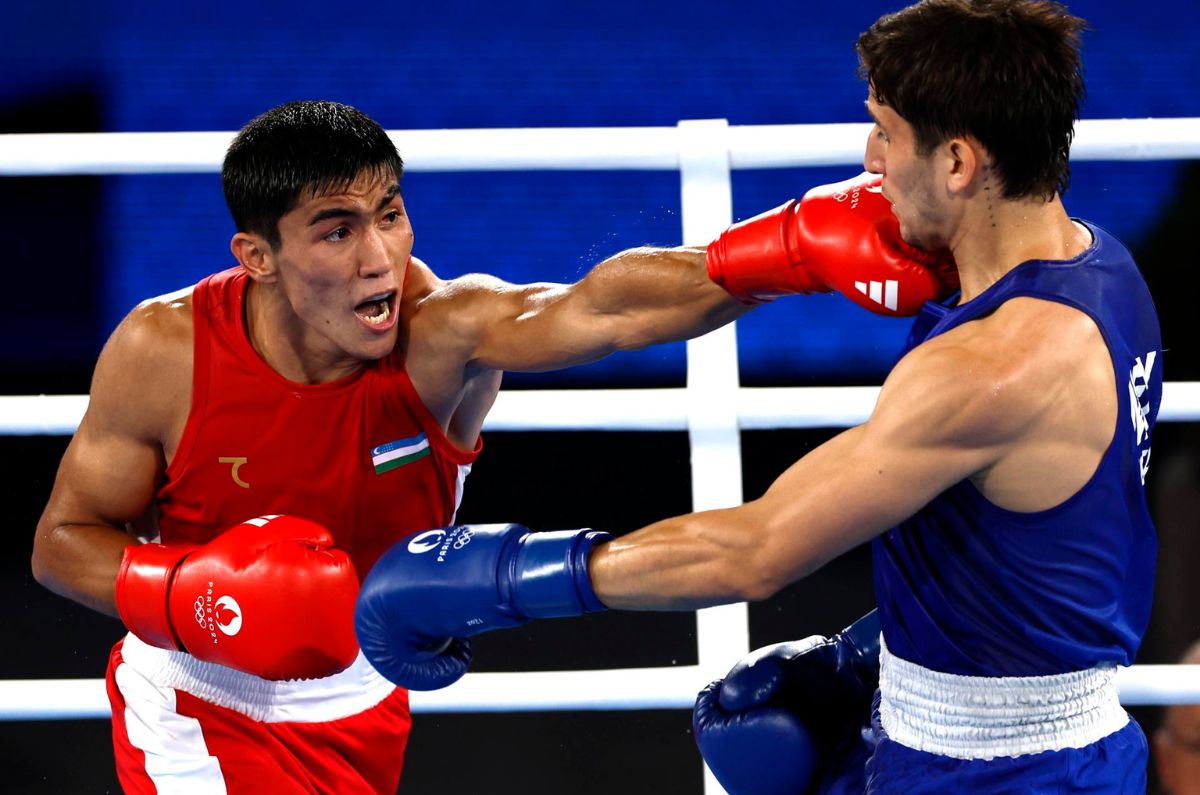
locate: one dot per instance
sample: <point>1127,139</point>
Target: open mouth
<point>376,310</point>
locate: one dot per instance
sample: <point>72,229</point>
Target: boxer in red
<point>333,386</point>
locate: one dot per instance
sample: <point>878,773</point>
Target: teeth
<point>381,317</point>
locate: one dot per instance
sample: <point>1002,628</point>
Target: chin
<point>377,352</point>
<point>376,349</point>
<point>914,239</point>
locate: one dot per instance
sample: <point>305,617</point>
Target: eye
<point>341,233</point>
<point>391,216</point>
<point>880,134</point>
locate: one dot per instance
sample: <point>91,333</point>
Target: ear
<point>965,162</point>
<point>254,254</point>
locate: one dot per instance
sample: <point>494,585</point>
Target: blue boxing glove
<point>428,593</point>
<point>786,713</point>
<point>764,751</point>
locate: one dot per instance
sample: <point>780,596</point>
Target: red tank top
<point>362,455</point>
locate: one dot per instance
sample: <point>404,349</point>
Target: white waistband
<point>350,692</point>
<point>983,717</point>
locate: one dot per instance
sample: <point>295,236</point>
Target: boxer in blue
<point>1000,477</point>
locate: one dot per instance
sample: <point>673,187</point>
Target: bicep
<point>872,477</point>
<point>115,460</point>
<point>847,491</point>
<point>542,327</point>
<point>108,474</point>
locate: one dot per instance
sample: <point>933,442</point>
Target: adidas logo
<point>884,293</point>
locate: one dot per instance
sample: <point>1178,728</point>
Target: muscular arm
<point>109,473</point>
<point>975,403</point>
<point>843,493</point>
<point>636,298</point>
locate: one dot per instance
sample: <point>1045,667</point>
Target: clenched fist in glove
<point>427,594</point>
<point>786,711</point>
<point>841,237</point>
<point>269,597</point>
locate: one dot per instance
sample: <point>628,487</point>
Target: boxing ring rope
<point>712,407</point>
<point>757,409</point>
<point>549,148</point>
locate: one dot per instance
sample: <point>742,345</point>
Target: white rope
<point>549,691</point>
<point>644,148</point>
<point>595,148</point>
<point>758,408</point>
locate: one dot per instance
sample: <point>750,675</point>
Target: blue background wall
<point>79,252</point>
<point>137,66</point>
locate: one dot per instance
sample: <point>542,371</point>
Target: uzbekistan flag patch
<point>387,457</point>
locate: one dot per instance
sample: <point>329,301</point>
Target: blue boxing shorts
<point>944,733</point>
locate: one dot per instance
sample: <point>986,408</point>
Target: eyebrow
<point>871,113</point>
<point>344,212</point>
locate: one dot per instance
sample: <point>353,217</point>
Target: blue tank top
<point>967,587</point>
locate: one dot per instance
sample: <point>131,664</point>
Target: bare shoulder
<point>989,381</point>
<point>143,378</point>
<point>1045,353</point>
<point>444,321</point>
<point>457,312</point>
<point>436,311</point>
<point>464,295</point>
<point>157,333</point>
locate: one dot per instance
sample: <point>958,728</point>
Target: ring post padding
<point>722,633</point>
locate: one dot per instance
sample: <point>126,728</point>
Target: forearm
<point>657,295</point>
<point>685,563</point>
<point>80,562</point>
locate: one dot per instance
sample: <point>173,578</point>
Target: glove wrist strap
<point>859,646</point>
<point>143,584</point>
<point>550,574</point>
<point>755,260</point>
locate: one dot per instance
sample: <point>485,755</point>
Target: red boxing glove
<point>268,597</point>
<point>841,237</point>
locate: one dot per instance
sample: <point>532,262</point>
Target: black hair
<point>1006,72</point>
<point>301,148</point>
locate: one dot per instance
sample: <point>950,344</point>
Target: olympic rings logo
<point>853,194</point>
<point>199,608</point>
<point>464,538</point>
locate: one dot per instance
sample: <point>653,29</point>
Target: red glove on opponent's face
<point>269,597</point>
<point>841,237</point>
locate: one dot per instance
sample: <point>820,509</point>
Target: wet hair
<point>1005,72</point>
<point>301,149</point>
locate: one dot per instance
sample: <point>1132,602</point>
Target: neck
<point>285,343</point>
<point>997,235</point>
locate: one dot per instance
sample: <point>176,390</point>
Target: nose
<point>375,259</point>
<point>873,155</point>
